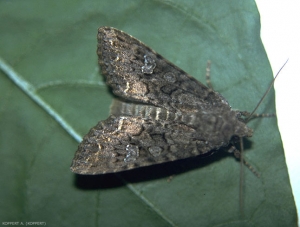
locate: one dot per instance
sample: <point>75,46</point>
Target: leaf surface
<point>58,93</point>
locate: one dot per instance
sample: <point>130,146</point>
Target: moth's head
<point>240,133</point>
<point>241,128</point>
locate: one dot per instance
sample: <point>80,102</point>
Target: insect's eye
<point>235,139</point>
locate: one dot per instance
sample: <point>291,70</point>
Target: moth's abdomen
<point>119,107</point>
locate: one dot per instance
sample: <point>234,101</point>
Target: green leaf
<point>51,92</point>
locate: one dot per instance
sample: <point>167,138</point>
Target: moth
<point>160,113</point>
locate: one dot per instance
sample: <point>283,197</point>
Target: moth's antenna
<point>242,161</point>
<point>241,194</point>
<point>260,101</point>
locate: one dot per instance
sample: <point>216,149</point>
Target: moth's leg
<point>246,114</point>
<point>170,178</point>
<point>237,154</point>
<point>207,75</point>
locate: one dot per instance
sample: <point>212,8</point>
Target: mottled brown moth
<point>160,114</point>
